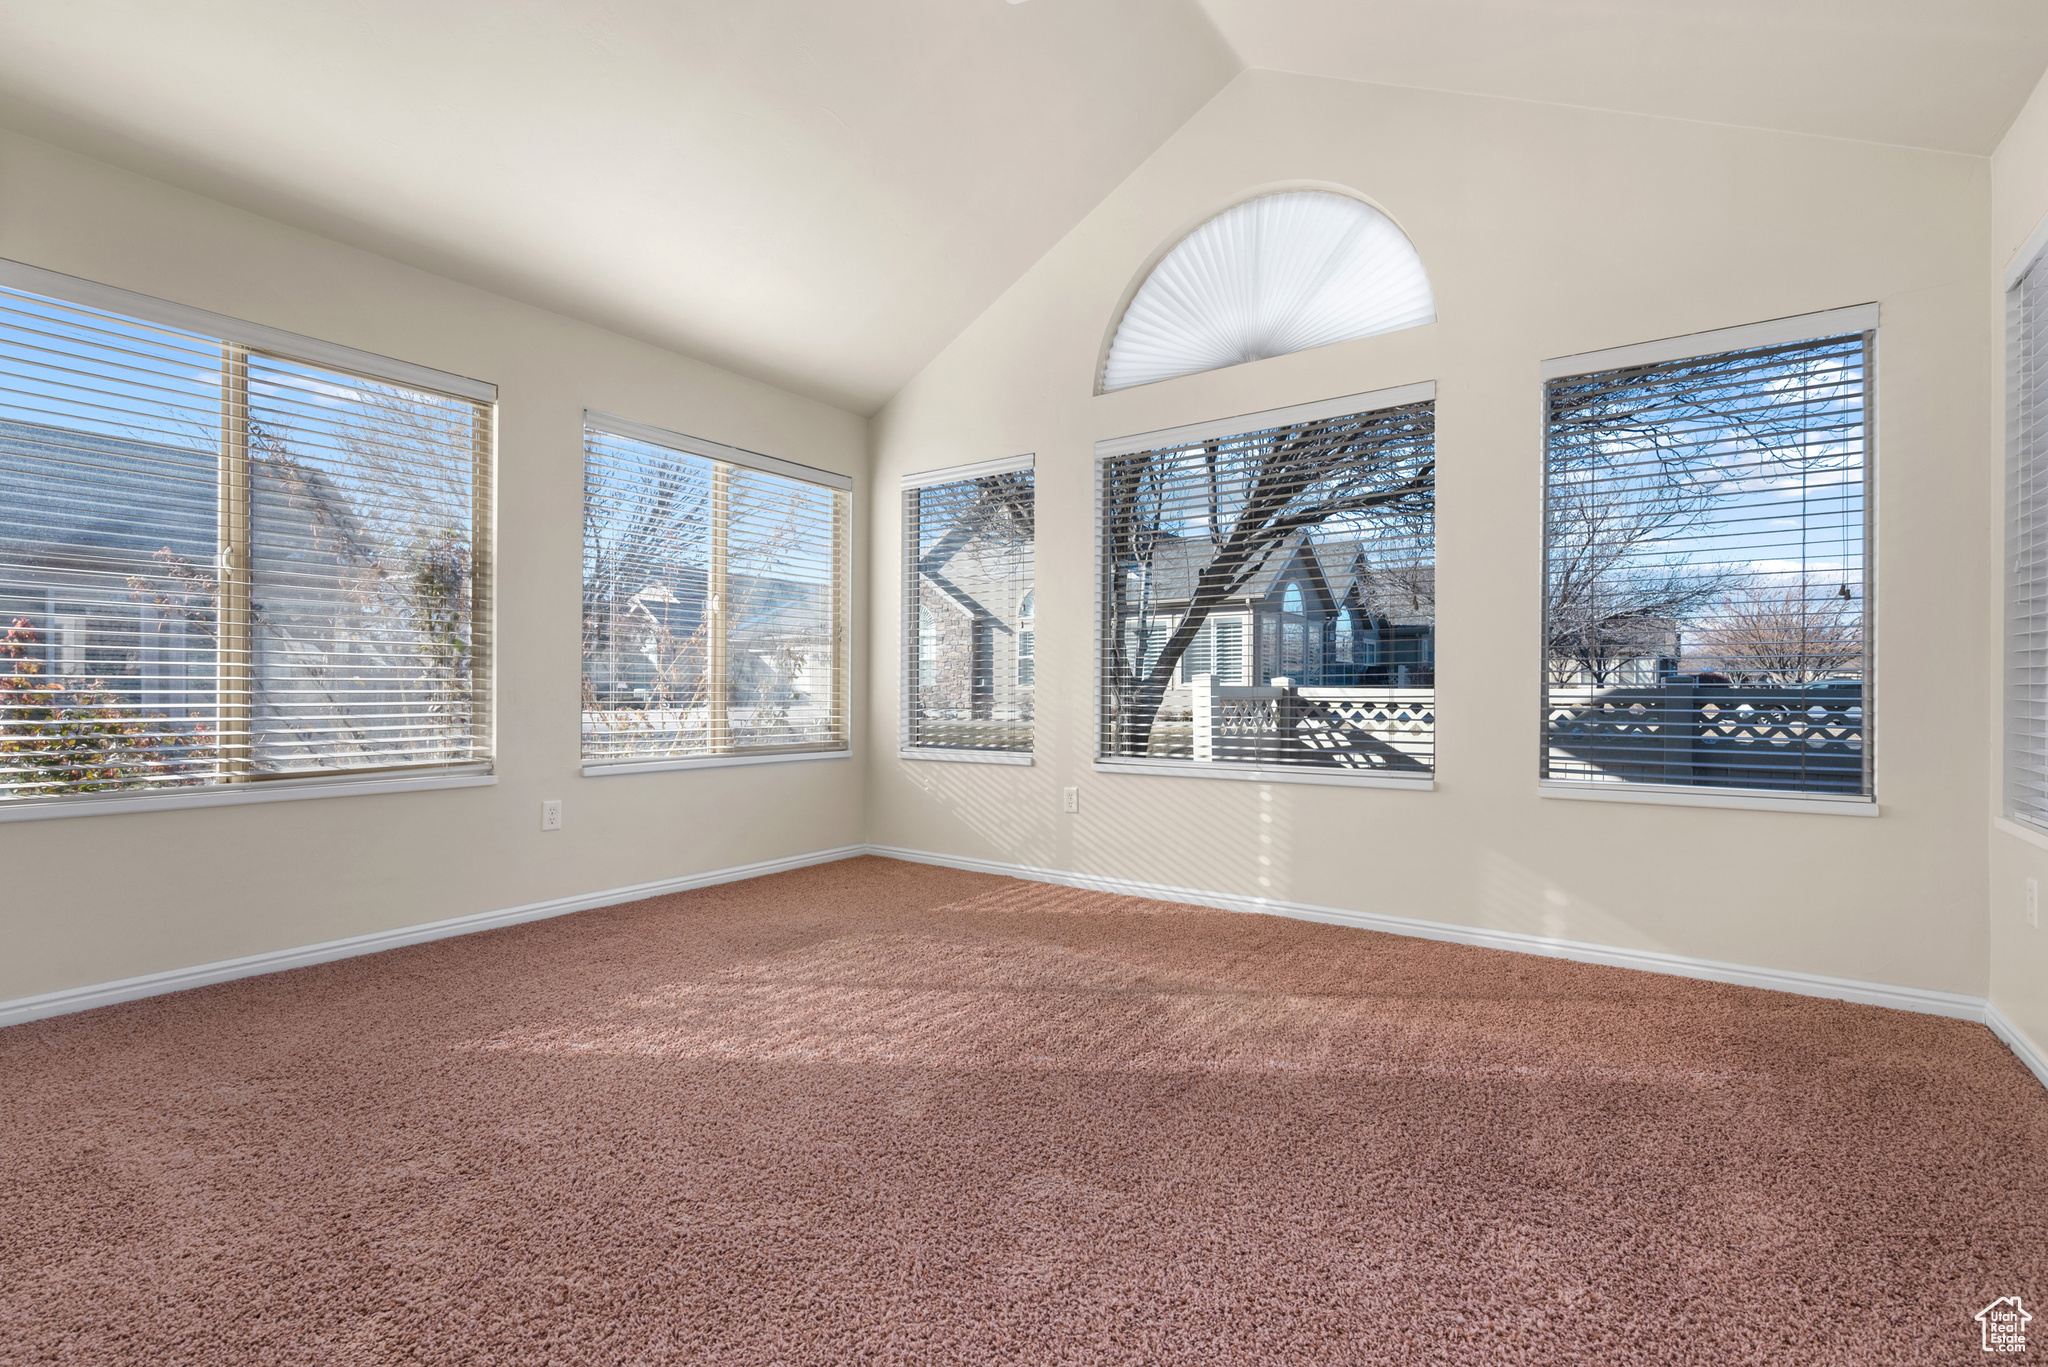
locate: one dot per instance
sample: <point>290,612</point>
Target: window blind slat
<point>713,604</point>
<point>1706,579</point>
<point>220,565</point>
<point>2026,629</point>
<point>970,614</point>
<point>1269,597</point>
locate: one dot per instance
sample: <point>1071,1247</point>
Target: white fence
<point>1385,730</point>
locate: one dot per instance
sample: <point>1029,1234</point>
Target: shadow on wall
<point>1514,897</point>
<point>1178,834</point>
<point>1197,835</point>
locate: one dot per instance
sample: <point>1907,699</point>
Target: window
<point>1218,649</point>
<point>1027,641</point>
<point>714,603</point>
<point>1277,274</point>
<point>231,558</point>
<point>970,608</point>
<point>1232,554</point>
<point>1705,567</point>
<point>2026,629</point>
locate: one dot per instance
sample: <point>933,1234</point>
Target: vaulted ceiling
<point>1944,74</point>
<point>823,193</point>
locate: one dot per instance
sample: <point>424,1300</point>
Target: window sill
<point>662,766</point>
<point>1254,773</point>
<point>235,795</point>
<point>2019,830</point>
<point>1747,799</point>
<point>968,756</point>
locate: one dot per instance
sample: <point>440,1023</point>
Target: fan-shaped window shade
<point>1274,275</point>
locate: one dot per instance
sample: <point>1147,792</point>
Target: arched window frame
<point>1104,380</point>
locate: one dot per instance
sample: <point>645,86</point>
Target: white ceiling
<point>1945,74</point>
<point>823,193</point>
<point>818,193</point>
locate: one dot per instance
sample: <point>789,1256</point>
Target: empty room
<point>1029,681</point>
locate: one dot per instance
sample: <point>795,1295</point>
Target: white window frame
<point>907,661</point>
<point>313,351</point>
<point>1775,332</point>
<point>1111,447</point>
<point>614,425</point>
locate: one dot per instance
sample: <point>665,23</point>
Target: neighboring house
<point>779,651</point>
<point>109,547</point>
<point>82,513</point>
<point>976,632</point>
<point>1319,612</point>
<point>1657,661</point>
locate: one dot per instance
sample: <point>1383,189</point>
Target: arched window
<point>1293,635</point>
<point>1277,274</point>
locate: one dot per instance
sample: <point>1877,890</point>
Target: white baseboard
<point>179,979</point>
<point>2029,1053</point>
<point>1920,999</point>
<point>1924,1000</point>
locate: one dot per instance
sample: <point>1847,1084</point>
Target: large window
<point>230,556</point>
<point>2026,628</point>
<point>1268,594</point>
<point>714,602</point>
<point>1706,573</point>
<point>969,612</point>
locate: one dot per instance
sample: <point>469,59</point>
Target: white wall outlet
<point>2034,903</point>
<point>1070,799</point>
<point>551,816</point>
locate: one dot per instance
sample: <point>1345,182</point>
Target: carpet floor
<point>879,1112</point>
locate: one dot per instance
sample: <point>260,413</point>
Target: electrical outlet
<point>2034,903</point>
<point>1070,799</point>
<point>551,816</point>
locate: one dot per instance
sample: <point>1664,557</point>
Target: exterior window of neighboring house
<point>2026,594</point>
<point>1218,649</point>
<point>1706,567</point>
<point>1234,555</point>
<point>1027,641</point>
<point>714,603</point>
<point>969,603</point>
<point>232,560</point>
<point>1293,623</point>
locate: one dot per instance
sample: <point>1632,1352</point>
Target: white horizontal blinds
<point>1269,596</point>
<point>785,548</point>
<point>363,572</point>
<point>2026,697</point>
<point>1218,649</point>
<point>109,490</point>
<point>713,606</point>
<point>1706,575</point>
<point>219,565</point>
<point>970,613</point>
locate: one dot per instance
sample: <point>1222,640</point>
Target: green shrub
<point>58,739</point>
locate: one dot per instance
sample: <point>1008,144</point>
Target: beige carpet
<point>879,1112</point>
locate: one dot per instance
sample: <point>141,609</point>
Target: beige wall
<point>2018,953</point>
<point>1547,231</point>
<point>92,899</point>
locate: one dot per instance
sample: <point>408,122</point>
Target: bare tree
<point>650,530</point>
<point>1791,635</point>
<point>1259,495</point>
<point>1644,458</point>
